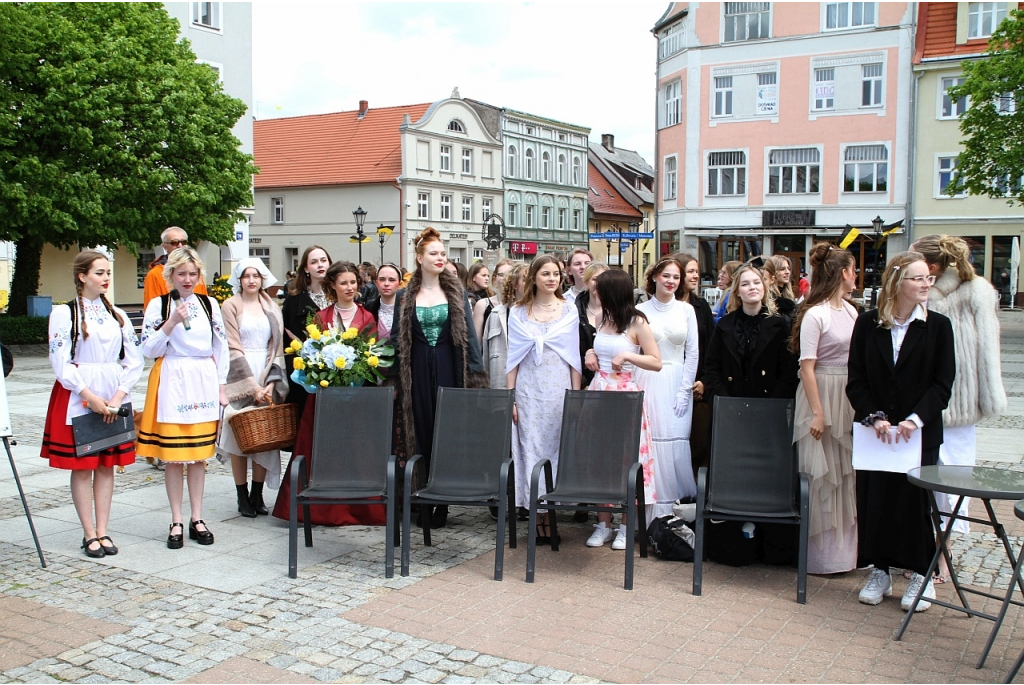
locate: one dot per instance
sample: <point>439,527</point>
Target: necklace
<point>547,306</point>
<point>429,287</point>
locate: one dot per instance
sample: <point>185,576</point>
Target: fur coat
<point>469,362</point>
<point>971,308</point>
<point>241,384</point>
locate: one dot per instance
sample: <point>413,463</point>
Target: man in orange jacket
<point>171,239</point>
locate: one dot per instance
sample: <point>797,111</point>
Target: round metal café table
<point>985,484</point>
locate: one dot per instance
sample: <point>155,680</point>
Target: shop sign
<point>457,236</point>
<point>522,247</point>
<point>787,217</point>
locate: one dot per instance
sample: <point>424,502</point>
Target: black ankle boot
<point>245,507</point>
<point>256,499</point>
<point>439,518</point>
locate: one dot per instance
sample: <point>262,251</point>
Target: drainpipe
<point>401,220</point>
<point>911,176</point>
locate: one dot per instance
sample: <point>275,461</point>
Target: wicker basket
<point>265,428</point>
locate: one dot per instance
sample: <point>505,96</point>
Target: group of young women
<point>926,359</point>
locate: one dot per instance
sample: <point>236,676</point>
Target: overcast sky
<point>585,63</point>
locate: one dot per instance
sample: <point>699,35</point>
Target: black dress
<point>894,528</point>
<point>700,426</point>
<point>296,311</point>
<point>587,333</point>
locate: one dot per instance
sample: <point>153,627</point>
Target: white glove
<point>681,404</point>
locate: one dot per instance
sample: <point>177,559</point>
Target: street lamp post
<point>878,224</point>
<point>359,237</point>
<point>383,233</point>
<point>634,226</point>
<point>493,231</point>
<point>608,249</point>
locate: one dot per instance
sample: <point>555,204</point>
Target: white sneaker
<point>912,589</point>
<point>620,539</point>
<point>879,585</point>
<point>602,534</point>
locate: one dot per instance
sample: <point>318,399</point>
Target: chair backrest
<point>753,460</point>
<point>352,437</point>
<point>600,440</point>
<point>712,295</point>
<point>472,435</point>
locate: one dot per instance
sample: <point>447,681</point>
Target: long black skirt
<point>893,521</point>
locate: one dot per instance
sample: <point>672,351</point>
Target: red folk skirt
<point>59,440</point>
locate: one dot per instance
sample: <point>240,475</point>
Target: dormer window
<point>455,126</point>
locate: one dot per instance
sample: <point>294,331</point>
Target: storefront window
<point>976,244</point>
<point>792,246</point>
<point>1001,247</point>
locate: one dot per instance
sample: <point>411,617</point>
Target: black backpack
<point>665,542</point>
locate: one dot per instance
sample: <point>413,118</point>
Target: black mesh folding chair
<point>753,475</point>
<point>351,462</point>
<point>470,464</point>
<point>598,464</point>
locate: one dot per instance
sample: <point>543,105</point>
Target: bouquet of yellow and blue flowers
<point>338,358</point>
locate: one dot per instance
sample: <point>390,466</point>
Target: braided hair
<point>83,262</point>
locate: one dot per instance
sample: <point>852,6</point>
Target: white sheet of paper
<point>872,454</point>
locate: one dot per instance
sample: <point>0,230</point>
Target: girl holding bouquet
<point>343,313</point>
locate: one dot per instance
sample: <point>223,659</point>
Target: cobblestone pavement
<point>229,613</point>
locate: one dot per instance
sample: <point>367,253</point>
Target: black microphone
<point>176,298</point>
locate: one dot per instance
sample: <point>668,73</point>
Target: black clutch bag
<point>92,435</point>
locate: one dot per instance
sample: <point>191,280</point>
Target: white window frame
<point>671,166</point>
<point>723,96</point>
<point>577,219</point>
<point>277,210</point>
<point>561,169</point>
<point>670,40</point>
<point>731,24</point>
<point>455,126</point>
<point>718,164</point>
<point>262,253</point>
<point>216,10</point>
<point>870,159</point>
<point>562,216</point>
<point>577,171</point>
<point>1006,103</point>
<point>955,108</point>
<point>528,218</point>
<point>765,79</point>
<point>545,217</point>
<point>821,101</point>
<point>446,207</point>
<point>673,102</point>
<point>512,211</point>
<point>423,206</point>
<point>831,14</point>
<point>467,161</point>
<point>811,169</point>
<point>511,160</point>
<point>467,207</point>
<point>446,158</point>
<point>528,164</point>
<point>485,206</point>
<point>872,85</point>
<point>983,18</point>
<point>545,166</point>
<point>216,66</point>
<point>946,164</point>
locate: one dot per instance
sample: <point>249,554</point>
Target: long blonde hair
<point>892,279</point>
<point>946,251</point>
<point>734,298</point>
<point>772,265</point>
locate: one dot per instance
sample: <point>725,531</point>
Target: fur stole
<point>971,307</point>
<point>241,383</point>
<point>463,336</point>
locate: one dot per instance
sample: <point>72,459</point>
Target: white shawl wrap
<point>562,337</point>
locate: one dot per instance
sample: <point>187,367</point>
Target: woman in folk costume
<point>822,425</point>
<point>970,302</point>
<point>255,330</point>
<point>902,367</point>
<point>668,393</point>
<point>185,335</point>
<point>435,346</point>
<point>543,362</point>
<point>341,283</point>
<point>96,358</point>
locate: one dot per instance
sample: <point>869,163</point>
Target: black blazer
<point>920,382</point>
<point>587,333</point>
<point>705,327</point>
<point>773,367</point>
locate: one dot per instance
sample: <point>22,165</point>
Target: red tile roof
<point>603,197</point>
<point>936,33</point>
<point>331,149</point>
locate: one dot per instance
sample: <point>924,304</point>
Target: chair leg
<point>293,518</point>
<point>552,519</point>
<point>631,530</point>
<point>510,508</point>
<point>801,578</point>
<point>499,526</point>
<point>642,514</point>
<point>531,539</point>
<point>1016,667</point>
<point>425,511</point>
<point>389,531</point>
<point>698,552</point>
<point>307,526</point>
<point>410,468</point>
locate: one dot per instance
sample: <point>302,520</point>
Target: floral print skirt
<point>622,381</point>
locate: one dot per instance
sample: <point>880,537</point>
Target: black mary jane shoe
<point>94,553</point>
<point>176,541</point>
<point>110,549</point>
<point>203,537</point>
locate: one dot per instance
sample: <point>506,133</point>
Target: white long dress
<point>254,334</point>
<point>540,392</point>
<point>675,330</point>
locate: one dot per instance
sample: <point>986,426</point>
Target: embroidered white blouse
<point>97,364</point>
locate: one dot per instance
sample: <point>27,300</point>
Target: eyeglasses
<point>930,280</point>
<point>176,243</point>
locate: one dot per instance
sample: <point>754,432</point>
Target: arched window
<point>545,166</point>
<point>456,126</point>
<point>528,167</point>
<point>575,171</point>
<point>561,168</point>
<point>511,160</point>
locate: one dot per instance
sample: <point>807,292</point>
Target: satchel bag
<point>668,544</point>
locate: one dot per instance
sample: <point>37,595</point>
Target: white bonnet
<point>250,263</point>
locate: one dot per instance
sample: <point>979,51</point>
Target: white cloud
<point>590,64</point>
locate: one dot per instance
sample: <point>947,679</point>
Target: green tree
<point>110,131</point>
<point>992,160</point>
